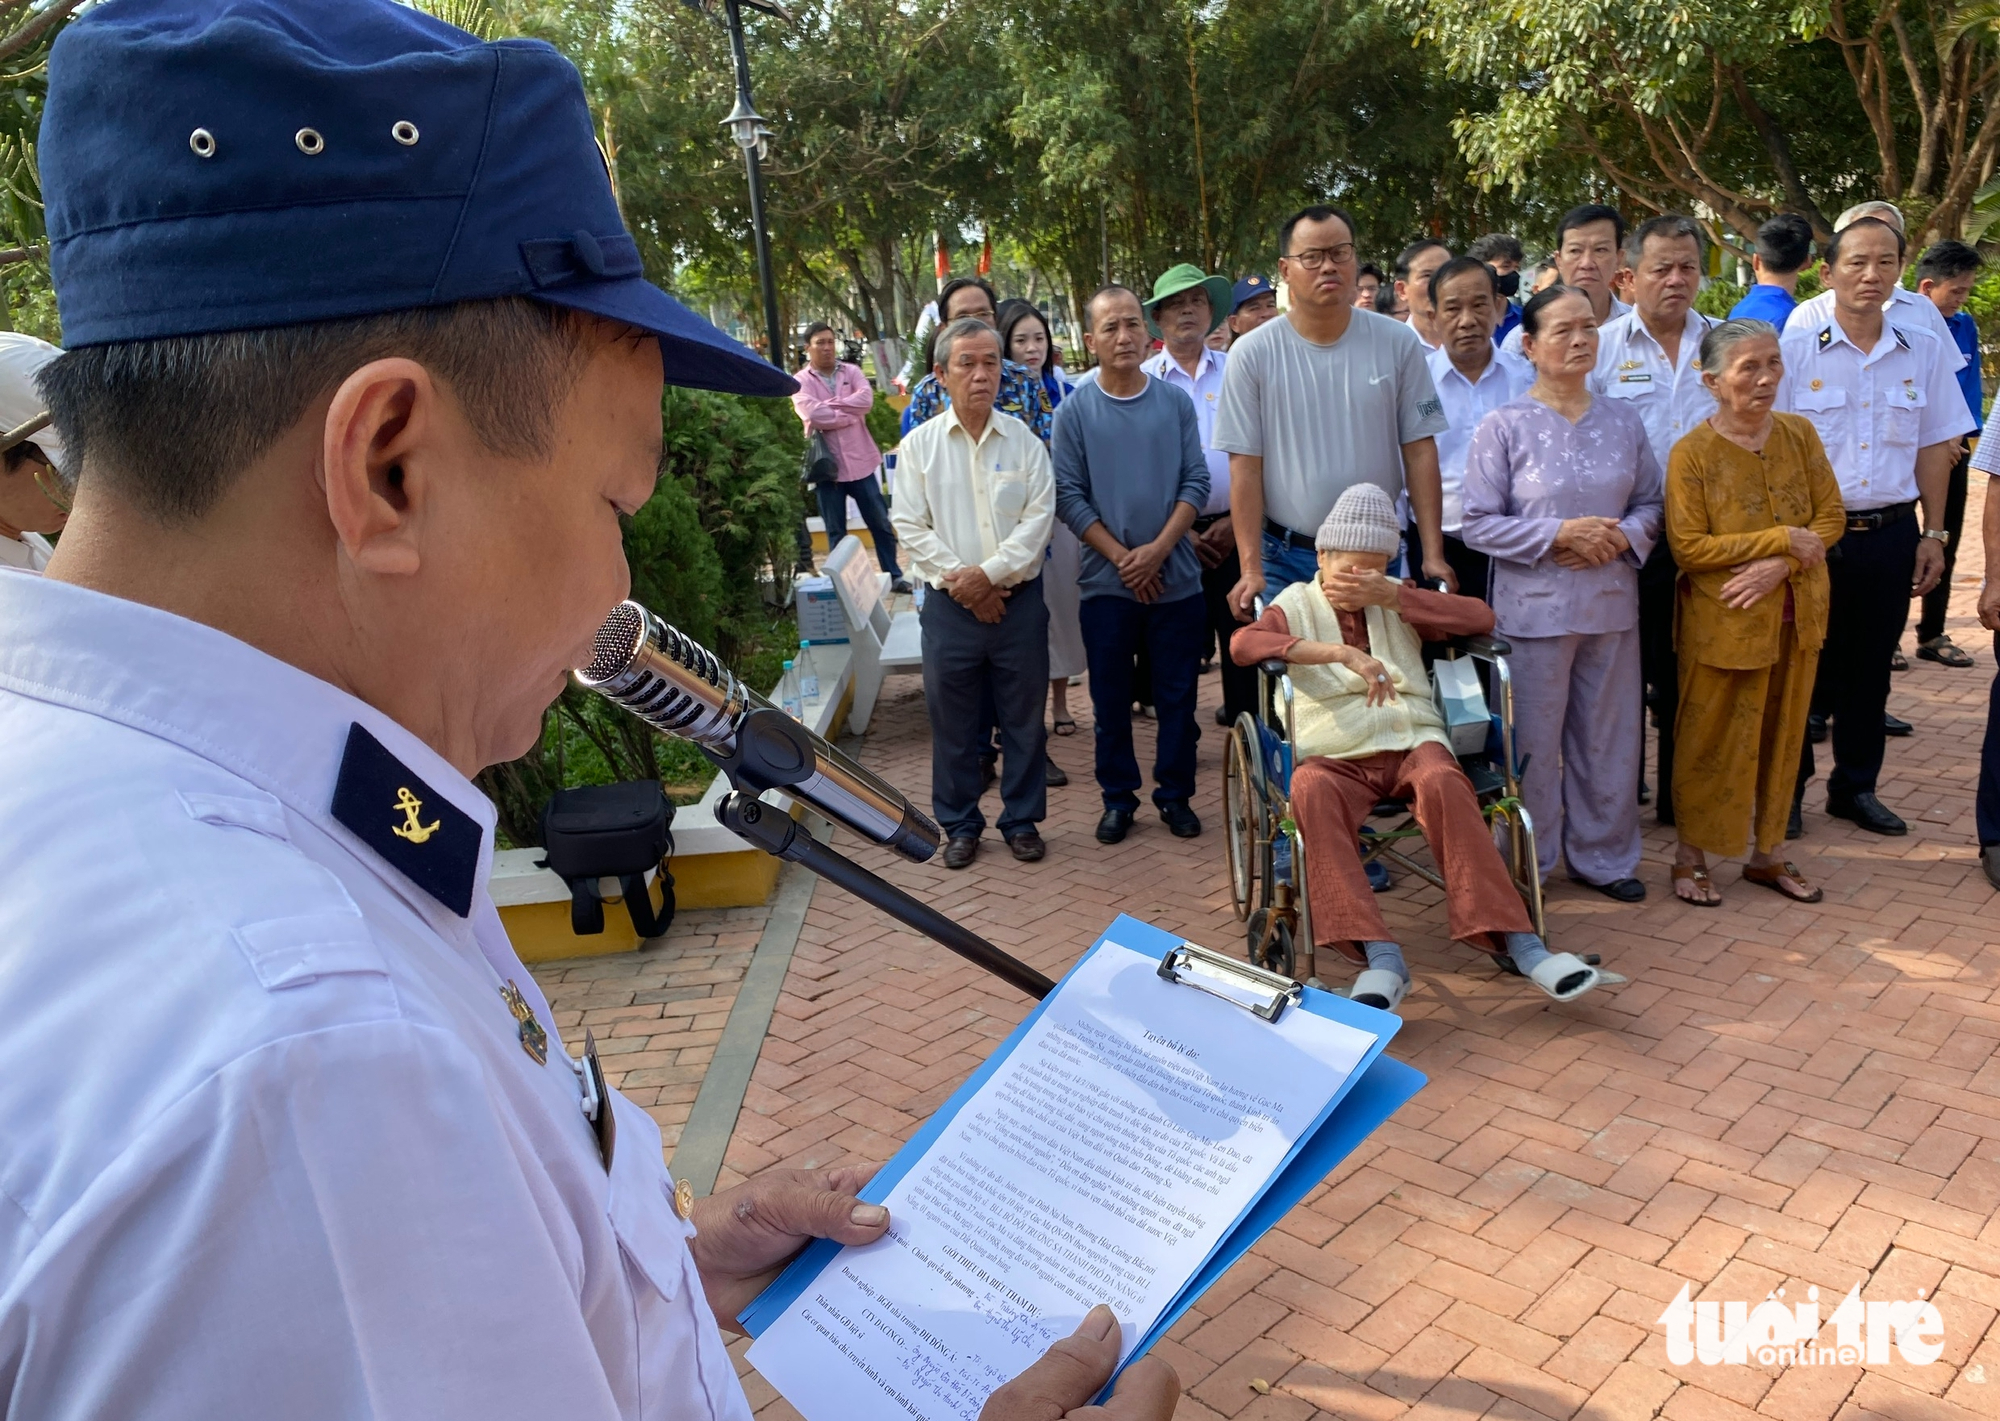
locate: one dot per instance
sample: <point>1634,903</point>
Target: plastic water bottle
<point>808,673</point>
<point>788,694</point>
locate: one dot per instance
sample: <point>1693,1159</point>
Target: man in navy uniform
<point>362,376</point>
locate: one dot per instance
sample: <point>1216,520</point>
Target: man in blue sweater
<point>1130,479</point>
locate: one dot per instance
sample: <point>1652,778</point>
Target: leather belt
<point>1301,541</point>
<point>1205,521</point>
<point>1873,520</point>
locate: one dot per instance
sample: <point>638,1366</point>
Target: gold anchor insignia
<point>412,828</point>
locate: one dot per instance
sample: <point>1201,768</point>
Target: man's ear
<point>380,433</point>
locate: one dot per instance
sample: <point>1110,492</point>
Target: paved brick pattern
<point>658,1013</point>
<point>1782,1097</point>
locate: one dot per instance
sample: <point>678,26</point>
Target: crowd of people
<point>1719,523</point>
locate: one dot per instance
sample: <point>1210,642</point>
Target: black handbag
<point>612,831</point>
<point>820,469</point>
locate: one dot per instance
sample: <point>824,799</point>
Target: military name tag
<point>597,1103</point>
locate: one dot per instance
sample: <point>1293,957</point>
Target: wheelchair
<point>1266,851</point>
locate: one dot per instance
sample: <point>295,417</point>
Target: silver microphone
<point>680,687</point>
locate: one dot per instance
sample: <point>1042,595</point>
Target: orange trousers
<point>1332,799</point>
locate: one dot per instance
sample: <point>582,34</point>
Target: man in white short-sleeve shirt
<point>1321,398</point>
<point>1886,403</point>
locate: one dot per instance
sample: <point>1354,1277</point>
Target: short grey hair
<point>1670,226</point>
<point>957,331</point>
<point>1725,337</point>
<point>1881,211</point>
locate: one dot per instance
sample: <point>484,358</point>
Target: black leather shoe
<point>1054,775</point>
<point>1867,811</point>
<point>1183,821</point>
<point>1027,846</point>
<point>902,585</point>
<point>1223,718</point>
<point>1795,826</point>
<point>1989,859</point>
<point>960,852</point>
<point>1114,826</point>
<point>1816,728</point>
<point>1896,725</point>
<point>1625,890</point>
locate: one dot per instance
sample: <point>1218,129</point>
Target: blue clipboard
<point>1372,1093</point>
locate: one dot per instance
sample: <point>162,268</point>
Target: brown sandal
<point>1773,879</point>
<point>1688,873</point>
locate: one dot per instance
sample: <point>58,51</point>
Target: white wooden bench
<point>881,643</point>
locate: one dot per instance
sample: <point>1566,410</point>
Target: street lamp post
<point>746,125</point>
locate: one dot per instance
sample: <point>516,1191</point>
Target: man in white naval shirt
<point>1587,257</point>
<point>1473,379</point>
<point>1886,402</point>
<point>1650,358</point>
<point>289,1131</point>
<point>1903,306</point>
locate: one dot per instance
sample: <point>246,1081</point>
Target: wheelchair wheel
<point>1275,953</point>
<point>1244,818</point>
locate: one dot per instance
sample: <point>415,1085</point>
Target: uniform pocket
<point>1010,494</point>
<point>1905,418</point>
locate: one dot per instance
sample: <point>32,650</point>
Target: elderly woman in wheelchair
<point>1366,729</point>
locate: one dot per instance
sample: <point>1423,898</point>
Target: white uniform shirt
<point>1506,377</point>
<point>961,501</point>
<point>1873,409</point>
<point>1204,388</point>
<point>272,1144</point>
<point>1512,345</point>
<point>1668,396</point>
<point>31,552</point>
<point>1905,307</point>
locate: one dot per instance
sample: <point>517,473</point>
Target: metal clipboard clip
<point>1264,993</point>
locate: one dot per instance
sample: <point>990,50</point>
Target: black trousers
<point>1870,571</point>
<point>1239,683</point>
<point>973,670</point>
<point>1660,669</point>
<point>1472,568</point>
<point>1931,623</point>
<point>1987,806</point>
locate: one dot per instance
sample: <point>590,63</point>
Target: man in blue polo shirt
<point>1945,274</point>
<point>1784,246</point>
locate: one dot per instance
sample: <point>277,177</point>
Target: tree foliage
<point>1744,108</point>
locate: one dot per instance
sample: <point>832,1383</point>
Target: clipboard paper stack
<point>1148,1122</point>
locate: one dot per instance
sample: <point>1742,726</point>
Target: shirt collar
<point>1162,363</point>
<point>1693,324</point>
<point>1883,345</point>
<point>259,718</point>
<point>1442,369</point>
<point>992,430</point>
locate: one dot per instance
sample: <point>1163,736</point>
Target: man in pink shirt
<point>834,398</point>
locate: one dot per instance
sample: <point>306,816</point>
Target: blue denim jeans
<point>867,496</point>
<point>1285,564</point>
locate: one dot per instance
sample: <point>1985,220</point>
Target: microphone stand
<point>778,834</point>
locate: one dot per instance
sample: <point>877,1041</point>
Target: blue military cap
<point>1248,289</point>
<point>214,165</point>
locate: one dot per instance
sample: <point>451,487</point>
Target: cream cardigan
<point>1333,715</point>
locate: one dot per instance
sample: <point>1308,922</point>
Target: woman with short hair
<point>1563,493</point>
<point>1752,507</point>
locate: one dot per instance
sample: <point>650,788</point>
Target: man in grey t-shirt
<point>1324,397</point>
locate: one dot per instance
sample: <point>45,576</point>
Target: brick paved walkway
<point>1782,1097</point>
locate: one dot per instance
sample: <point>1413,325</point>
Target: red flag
<point>943,259</point>
<point>986,256</point>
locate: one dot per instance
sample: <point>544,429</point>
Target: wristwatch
<point>1943,535</point>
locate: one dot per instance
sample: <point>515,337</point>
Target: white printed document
<point>1106,1159</point>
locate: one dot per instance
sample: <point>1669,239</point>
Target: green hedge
<point>712,552</point>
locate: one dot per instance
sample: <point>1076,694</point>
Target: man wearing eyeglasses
<point>1325,397</point>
